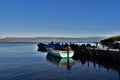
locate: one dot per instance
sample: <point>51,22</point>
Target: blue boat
<point>59,51</point>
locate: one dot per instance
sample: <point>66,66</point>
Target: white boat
<point>64,62</point>
<point>61,52</point>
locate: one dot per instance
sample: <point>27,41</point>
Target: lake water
<point>21,61</point>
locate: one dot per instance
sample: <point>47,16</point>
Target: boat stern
<point>65,54</point>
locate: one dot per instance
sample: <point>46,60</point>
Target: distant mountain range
<point>49,39</point>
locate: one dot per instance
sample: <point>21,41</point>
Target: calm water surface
<point>21,61</point>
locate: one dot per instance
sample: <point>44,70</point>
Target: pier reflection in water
<point>108,65</point>
<point>84,60</point>
<point>63,62</point>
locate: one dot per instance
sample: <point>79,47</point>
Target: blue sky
<point>62,18</point>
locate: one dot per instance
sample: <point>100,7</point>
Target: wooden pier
<point>110,55</point>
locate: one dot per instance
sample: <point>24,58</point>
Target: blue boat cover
<point>55,46</point>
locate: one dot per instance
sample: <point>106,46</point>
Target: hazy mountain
<point>49,39</point>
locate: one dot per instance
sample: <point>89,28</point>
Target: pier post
<point>67,52</point>
<point>68,66</point>
<point>96,44</point>
<point>119,47</point>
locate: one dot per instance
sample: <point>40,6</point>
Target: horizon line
<point>51,37</point>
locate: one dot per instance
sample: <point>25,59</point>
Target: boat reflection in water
<point>67,62</point>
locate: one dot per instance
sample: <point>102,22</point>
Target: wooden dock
<point>111,54</point>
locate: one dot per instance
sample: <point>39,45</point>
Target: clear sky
<point>65,18</point>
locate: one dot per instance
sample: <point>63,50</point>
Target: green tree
<point>110,40</point>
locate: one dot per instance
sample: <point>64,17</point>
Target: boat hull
<point>63,62</point>
<point>60,53</point>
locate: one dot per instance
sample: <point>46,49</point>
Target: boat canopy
<point>55,46</point>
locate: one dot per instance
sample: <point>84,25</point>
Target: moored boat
<point>64,62</point>
<point>59,51</point>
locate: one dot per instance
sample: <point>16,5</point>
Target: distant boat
<point>64,62</point>
<point>59,51</point>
